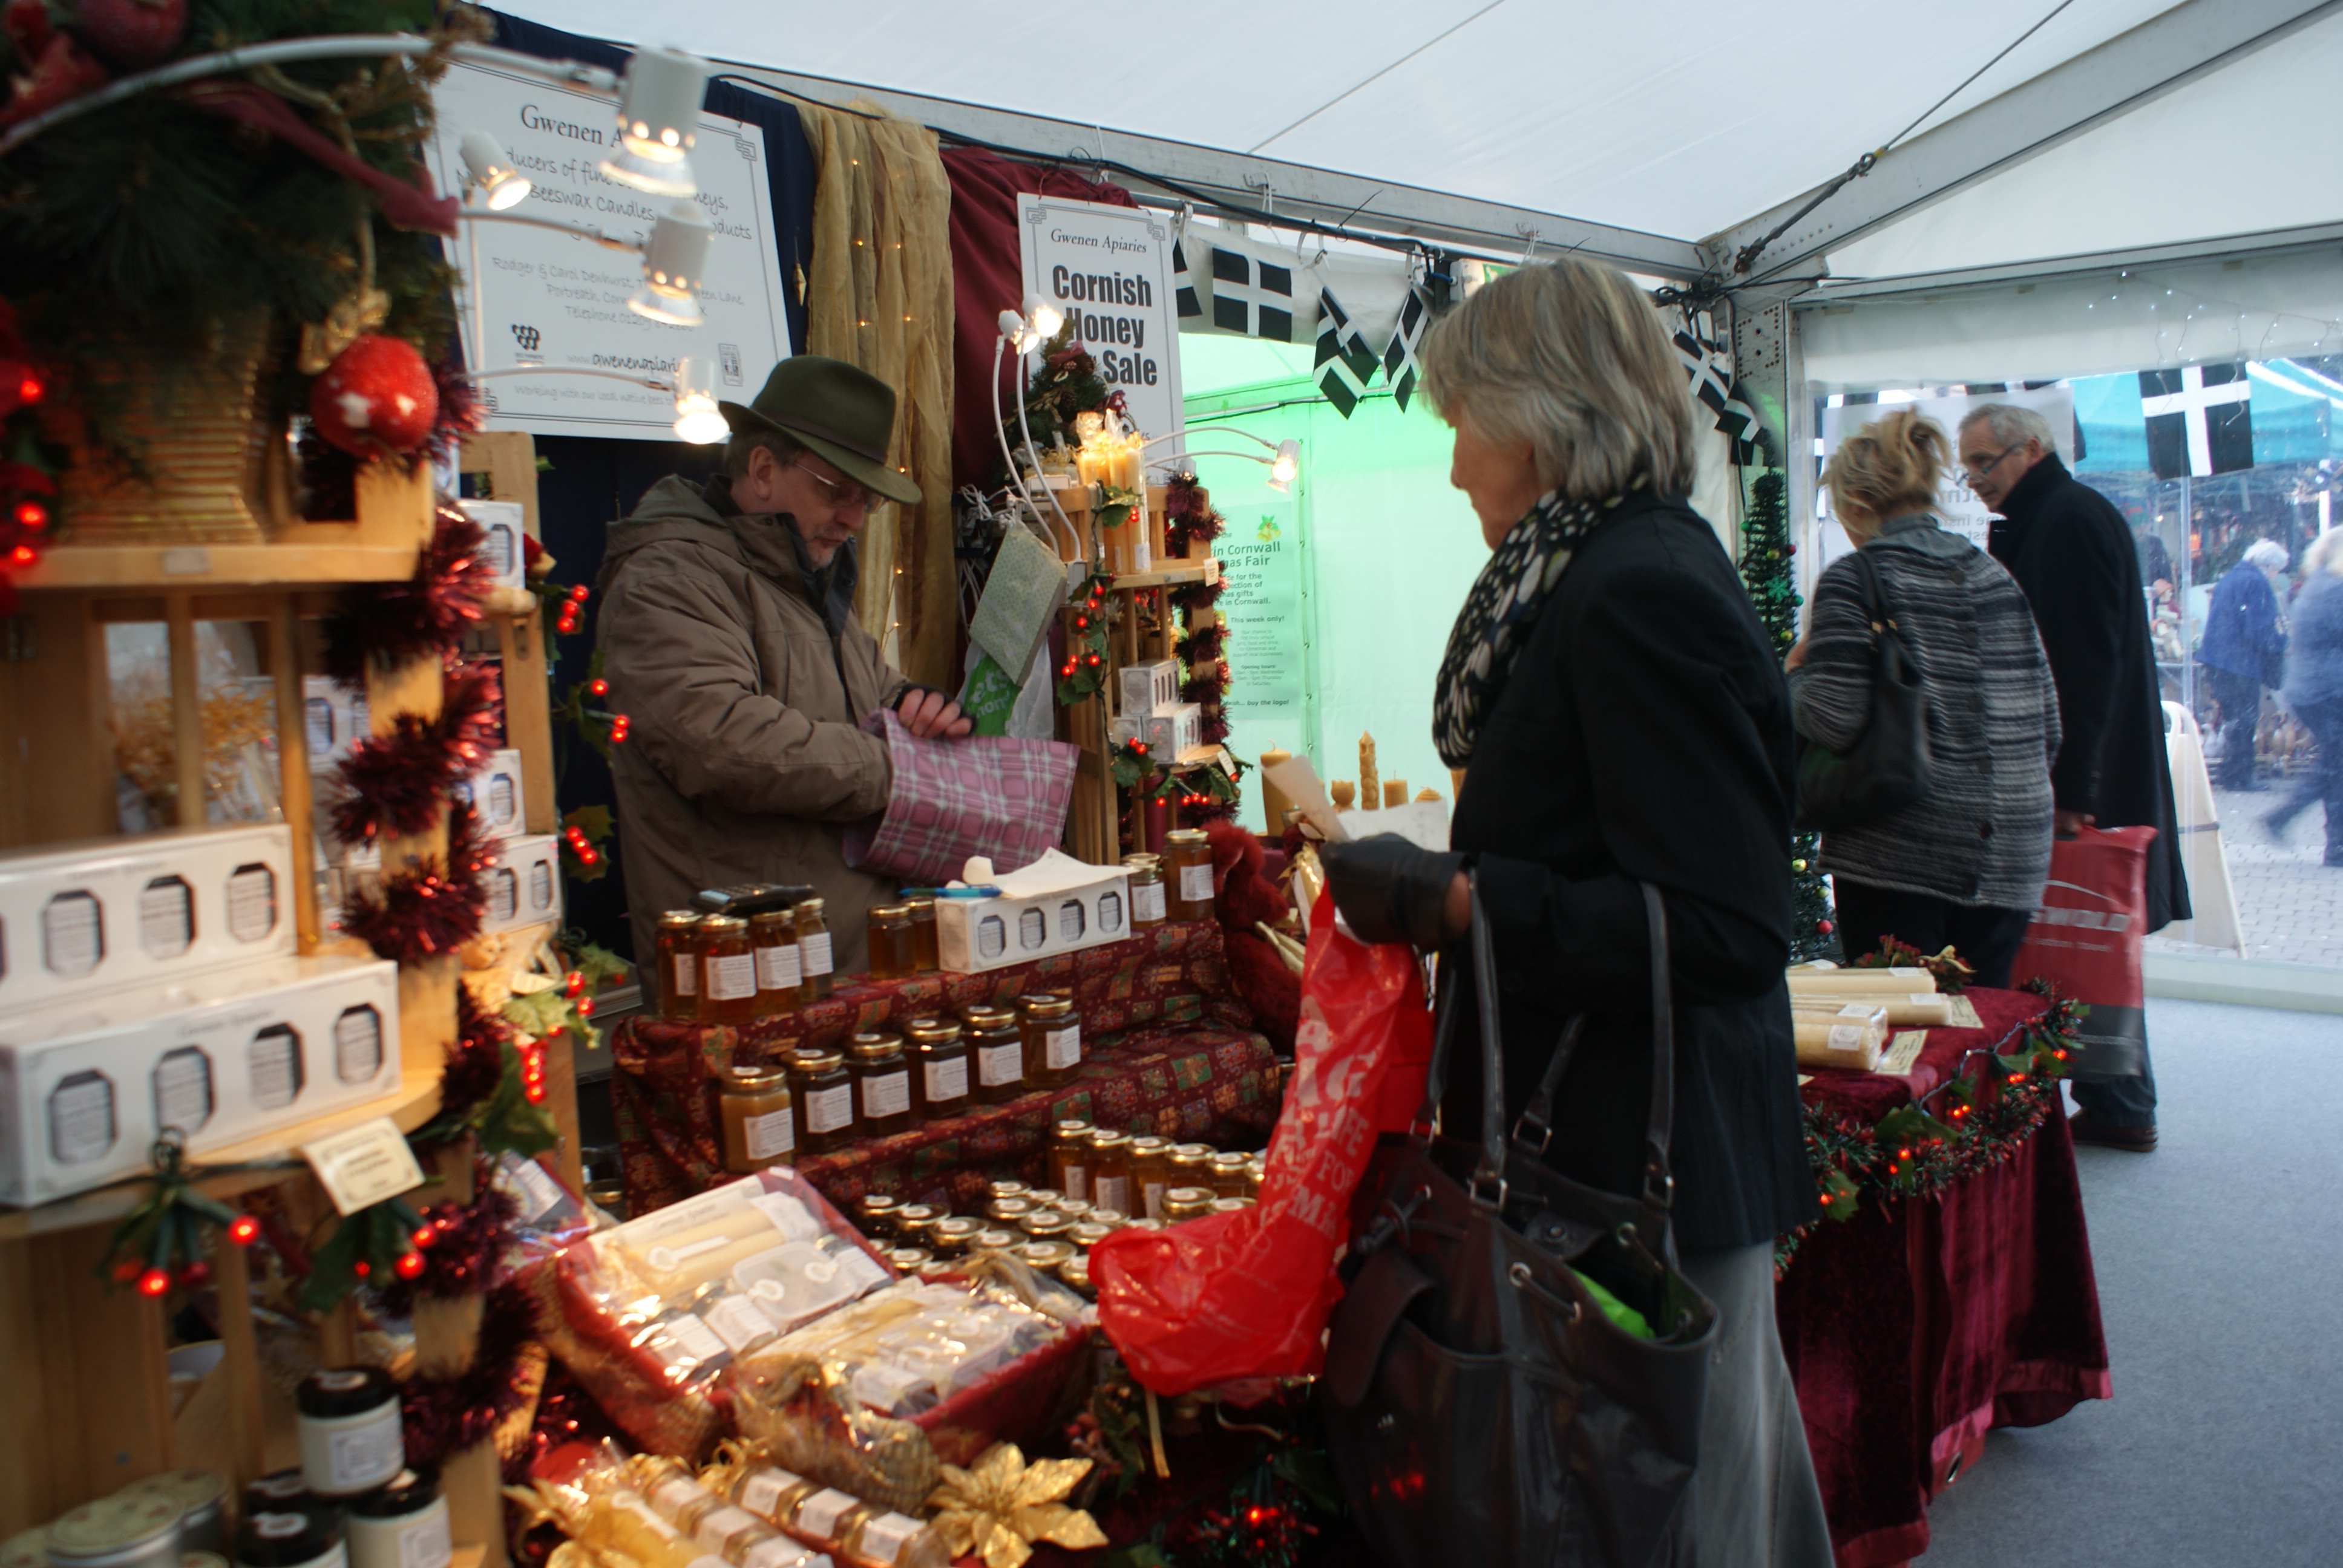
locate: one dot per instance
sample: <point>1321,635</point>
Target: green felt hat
<point>835,411</point>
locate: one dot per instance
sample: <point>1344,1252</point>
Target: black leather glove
<point>1389,890</point>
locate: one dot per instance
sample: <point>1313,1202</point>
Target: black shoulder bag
<point>1480,1405</point>
<point>1888,768</point>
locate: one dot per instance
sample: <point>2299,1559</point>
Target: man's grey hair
<point>738,449</point>
<point>2265,556</point>
<point>2011,425</point>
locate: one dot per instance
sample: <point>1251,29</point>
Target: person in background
<point>1964,863</point>
<point>2314,689</point>
<point>2069,550</point>
<point>2243,651</point>
<point>729,638</point>
<point>1618,704</point>
<point>2155,560</point>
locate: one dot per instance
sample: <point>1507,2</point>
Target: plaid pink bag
<point>985,795</point>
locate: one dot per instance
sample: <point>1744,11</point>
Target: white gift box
<point>494,795</point>
<point>524,884</point>
<point>500,547</point>
<point>1174,730</point>
<point>226,1054</point>
<point>1056,905</point>
<point>1150,689</point>
<point>334,718</point>
<point>113,913</point>
<point>1123,731</point>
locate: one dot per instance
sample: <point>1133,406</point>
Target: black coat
<point>2069,549</point>
<point>1645,734</point>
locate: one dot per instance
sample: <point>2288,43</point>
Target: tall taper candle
<point>1371,794</point>
<point>1273,801</point>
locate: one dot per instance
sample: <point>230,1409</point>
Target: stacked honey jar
<point>1100,1181</point>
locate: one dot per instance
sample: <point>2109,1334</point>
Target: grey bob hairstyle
<point>1569,357</point>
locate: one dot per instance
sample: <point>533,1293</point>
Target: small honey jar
<point>1053,1035</point>
<point>1186,1203</point>
<point>825,1097</point>
<point>998,1043</point>
<point>1151,1173</point>
<point>1111,1170</point>
<point>938,1067</point>
<point>1147,906</point>
<point>1229,1175</point>
<point>928,955</point>
<point>813,950</point>
<point>882,1083</point>
<point>760,1124</point>
<point>728,970</point>
<point>1069,1158</point>
<point>781,978</point>
<point>892,956</point>
<point>1188,874</point>
<point>679,966</point>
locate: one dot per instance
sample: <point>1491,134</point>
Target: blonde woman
<point>2314,689</point>
<point>1963,865</point>
<point>1618,704</point>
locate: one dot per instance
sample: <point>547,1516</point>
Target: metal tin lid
<point>1045,1256</point>
<point>1112,1219</point>
<point>953,1235</point>
<point>911,1260</point>
<point>1073,1208</point>
<point>922,905</point>
<point>995,1241</point>
<point>757,1075</point>
<point>1073,1129</point>
<point>1076,1273</point>
<point>1010,1210</point>
<point>1186,836</point>
<point>816,1058</point>
<point>193,1490</point>
<point>1044,1225</point>
<point>1189,1195</point>
<point>932,1030</point>
<point>1149,1224</point>
<point>723,924</point>
<point>1143,857</point>
<point>1230,1205</point>
<point>1088,1234</point>
<point>1010,1190</point>
<point>892,913</point>
<point>976,1009</point>
<point>677,919</point>
<point>876,1205</point>
<point>112,1525</point>
<point>1108,1138</point>
<point>1230,1160</point>
<point>1150,1144</point>
<point>278,1489</point>
<point>285,1540</point>
<point>332,1392</point>
<point>409,1492</point>
<point>913,1216</point>
<point>874,1045</point>
<point>1044,1005</point>
<point>25,1549</point>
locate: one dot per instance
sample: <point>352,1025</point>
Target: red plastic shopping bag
<point>1247,1294</point>
<point>2085,941</point>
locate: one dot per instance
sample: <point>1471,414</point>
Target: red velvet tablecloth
<point>1167,1048</point>
<point>1915,1326</point>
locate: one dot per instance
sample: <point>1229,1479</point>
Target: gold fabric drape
<point>880,296</point>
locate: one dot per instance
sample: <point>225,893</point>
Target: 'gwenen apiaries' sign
<point>554,299</point>
<point>1109,270</point>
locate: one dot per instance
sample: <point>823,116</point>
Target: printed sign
<point>1109,270</point>
<point>363,1165</point>
<point>1261,563</point>
<point>550,299</point>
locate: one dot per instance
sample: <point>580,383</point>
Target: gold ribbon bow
<point>1001,1504</point>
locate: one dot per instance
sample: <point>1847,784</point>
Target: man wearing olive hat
<point>729,638</point>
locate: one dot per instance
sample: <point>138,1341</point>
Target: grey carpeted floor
<point>2221,1269</point>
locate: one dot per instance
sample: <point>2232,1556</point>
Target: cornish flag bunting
<point>2200,419</point>
<point>1399,369</point>
<point>1709,368</point>
<point>1345,364</point>
<point>1183,283</point>
<point>1253,297</point>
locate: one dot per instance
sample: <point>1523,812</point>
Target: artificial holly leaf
<point>591,959</point>
<point>507,1120</point>
<point>1908,1124</point>
<point>594,822</point>
<point>1838,1194</point>
<point>1114,514</point>
<point>2016,1066</point>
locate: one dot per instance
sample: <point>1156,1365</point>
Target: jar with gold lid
<point>1075,1273</point>
<point>1045,1256</point>
<point>1072,1208</point>
<point>1086,1234</point>
<point>1054,1040</point>
<point>911,1260</point>
<point>1151,1173</point>
<point>760,1120</point>
<point>1188,874</point>
<point>1043,1225</point>
<point>892,955</point>
<point>679,966</point>
<point>997,1047</point>
<point>926,957</point>
<point>995,1239</point>
<point>728,970</point>
<point>1112,1219</point>
<point>951,1236</point>
<point>938,1067</point>
<point>1228,1173</point>
<point>1010,1212</point>
<point>1187,1203</point>
<point>1010,1189</point>
<point>1111,1169</point>
<point>781,978</point>
<point>882,1082</point>
<point>814,953</point>
<point>1256,1172</point>
<point>875,1213</point>
<point>1070,1157</point>
<point>1147,904</point>
<point>1230,1205</point>
<point>825,1099</point>
<point>915,1224</point>
<point>1143,1224</point>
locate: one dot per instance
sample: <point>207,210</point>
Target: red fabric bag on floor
<point>1247,1294</point>
<point>2086,942</point>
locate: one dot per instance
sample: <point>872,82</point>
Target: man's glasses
<point>1978,468</point>
<point>844,494</point>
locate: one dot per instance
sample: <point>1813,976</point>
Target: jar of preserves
<point>995,1239</point>
<point>876,1211</point>
<point>1230,1205</point>
<point>1228,1173</point>
<point>1187,1203</point>
<point>1072,1208</point>
<point>1192,1164</point>
<point>1147,905</point>
<point>891,953</point>
<point>1112,1219</point>
<point>780,978</point>
<point>728,970</point>
<point>679,966</point>
<point>882,1082</point>
<point>1046,1256</point>
<point>1111,1170</point>
<point>1256,1172</point>
<point>1045,1225</point>
<point>915,1224</point>
<point>911,1260</point>
<point>759,1119</point>
<point>1054,1040</point>
<point>813,951</point>
<point>1069,1158</point>
<point>1010,1190</point>
<point>1010,1212</point>
<point>1151,1173</point>
<point>951,1236</point>
<point>825,1095</point>
<point>1088,1234</point>
<point>1188,874</point>
<point>938,1067</point>
<point>999,1047</point>
<point>1075,1272</point>
<point>928,957</point>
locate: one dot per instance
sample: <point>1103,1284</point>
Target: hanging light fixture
<point>658,121</point>
<point>675,262</point>
<point>490,170</point>
<point>697,419</point>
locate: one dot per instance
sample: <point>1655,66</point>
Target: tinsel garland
<point>397,783</point>
<point>426,911</point>
<point>476,1063</point>
<point>1202,644</point>
<point>1196,596</point>
<point>467,1240</point>
<point>443,1416</point>
<point>390,624</point>
<point>1188,518</point>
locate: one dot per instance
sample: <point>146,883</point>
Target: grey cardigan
<point>1981,835</point>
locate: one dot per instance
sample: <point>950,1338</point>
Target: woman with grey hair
<point>1618,709</point>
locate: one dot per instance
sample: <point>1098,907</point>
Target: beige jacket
<point>743,761</point>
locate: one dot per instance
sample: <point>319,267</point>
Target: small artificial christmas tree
<point>1765,554</point>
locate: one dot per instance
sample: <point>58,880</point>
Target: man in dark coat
<point>2243,651</point>
<point>2069,549</point>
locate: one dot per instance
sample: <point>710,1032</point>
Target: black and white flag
<point>2200,419</point>
<point>1400,371</point>
<point>1708,367</point>
<point>1345,364</point>
<point>1252,297</point>
<point>1183,283</point>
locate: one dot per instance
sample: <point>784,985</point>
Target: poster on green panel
<point>1261,563</point>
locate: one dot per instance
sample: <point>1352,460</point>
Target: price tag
<point>1905,1054</point>
<point>363,1165</point>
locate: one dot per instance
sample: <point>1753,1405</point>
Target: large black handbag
<point>1887,767</point>
<point>1480,1406</point>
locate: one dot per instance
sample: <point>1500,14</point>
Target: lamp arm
<point>599,237</point>
<point>1016,476</point>
<point>1215,429</point>
<point>1081,545</point>
<point>1248,457</point>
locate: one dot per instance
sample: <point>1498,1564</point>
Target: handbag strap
<point>1488,1183</point>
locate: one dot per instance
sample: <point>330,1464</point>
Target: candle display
<point>1395,791</point>
<point>1273,803</point>
<point>1370,789</point>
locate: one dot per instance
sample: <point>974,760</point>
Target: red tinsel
<point>424,913</point>
<point>1198,596</point>
<point>476,1063</point>
<point>1208,685</point>
<point>1211,729</point>
<point>1188,516</point>
<point>398,782</point>
<point>467,1240</point>
<point>446,1415</point>
<point>392,623</point>
<point>459,409</point>
<point>1202,644</point>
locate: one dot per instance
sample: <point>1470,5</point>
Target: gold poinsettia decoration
<point>999,1506</point>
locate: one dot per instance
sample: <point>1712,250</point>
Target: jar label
<point>886,1094</point>
<point>1150,1197</point>
<point>731,977</point>
<point>1196,883</point>
<point>947,1080</point>
<point>1063,1048</point>
<point>827,1110</point>
<point>816,953</point>
<point>1000,1064</point>
<point>425,1543</point>
<point>779,969</point>
<point>1146,900</point>
<point>251,902</point>
<point>167,917</point>
<point>774,1132</point>
<point>1112,1193</point>
<point>687,974</point>
<point>1077,1181</point>
<point>81,1118</point>
<point>368,1455</point>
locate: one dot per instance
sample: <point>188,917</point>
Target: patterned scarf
<point>1502,612</point>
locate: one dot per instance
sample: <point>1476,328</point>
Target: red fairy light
<point>362,1268</point>
<point>585,1006</point>
<point>244,1230</point>
<point>23,555</point>
<point>578,594</point>
<point>574,981</point>
<point>32,515</point>
<point>410,1265</point>
<point>30,389</point>
<point>154,1283</point>
<point>598,687</point>
<point>424,1236</point>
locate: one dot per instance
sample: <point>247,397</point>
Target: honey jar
<point>911,1260</point>
<point>882,1083</point>
<point>1188,874</point>
<point>938,1067</point>
<point>1230,1205</point>
<point>1086,1234</point>
<point>876,1211</point>
<point>1045,1257</point>
<point>892,956</point>
<point>1147,906</point>
<point>1075,1272</point>
<point>1229,1175</point>
<point>1010,1212</point>
<point>1045,1225</point>
<point>951,1236</point>
<point>728,970</point>
<point>781,978</point>
<point>995,1239</point>
<point>1114,1219</point>
<point>679,966</point>
<point>1069,1158</point>
<point>825,1099</point>
<point>998,1043</point>
<point>1072,1208</point>
<point>1054,1040</point>
<point>759,1123</point>
<point>1187,1203</point>
<point>926,957</point>
<point>915,1224</point>
<point>1111,1170</point>
<point>1010,1190</point>
<point>1192,1164</point>
<point>1151,1173</point>
<point>1256,1172</point>
<point>813,951</point>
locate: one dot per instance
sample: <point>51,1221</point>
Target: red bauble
<point>132,34</point>
<point>376,398</point>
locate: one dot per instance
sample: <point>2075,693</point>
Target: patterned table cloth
<point>1168,1049</point>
